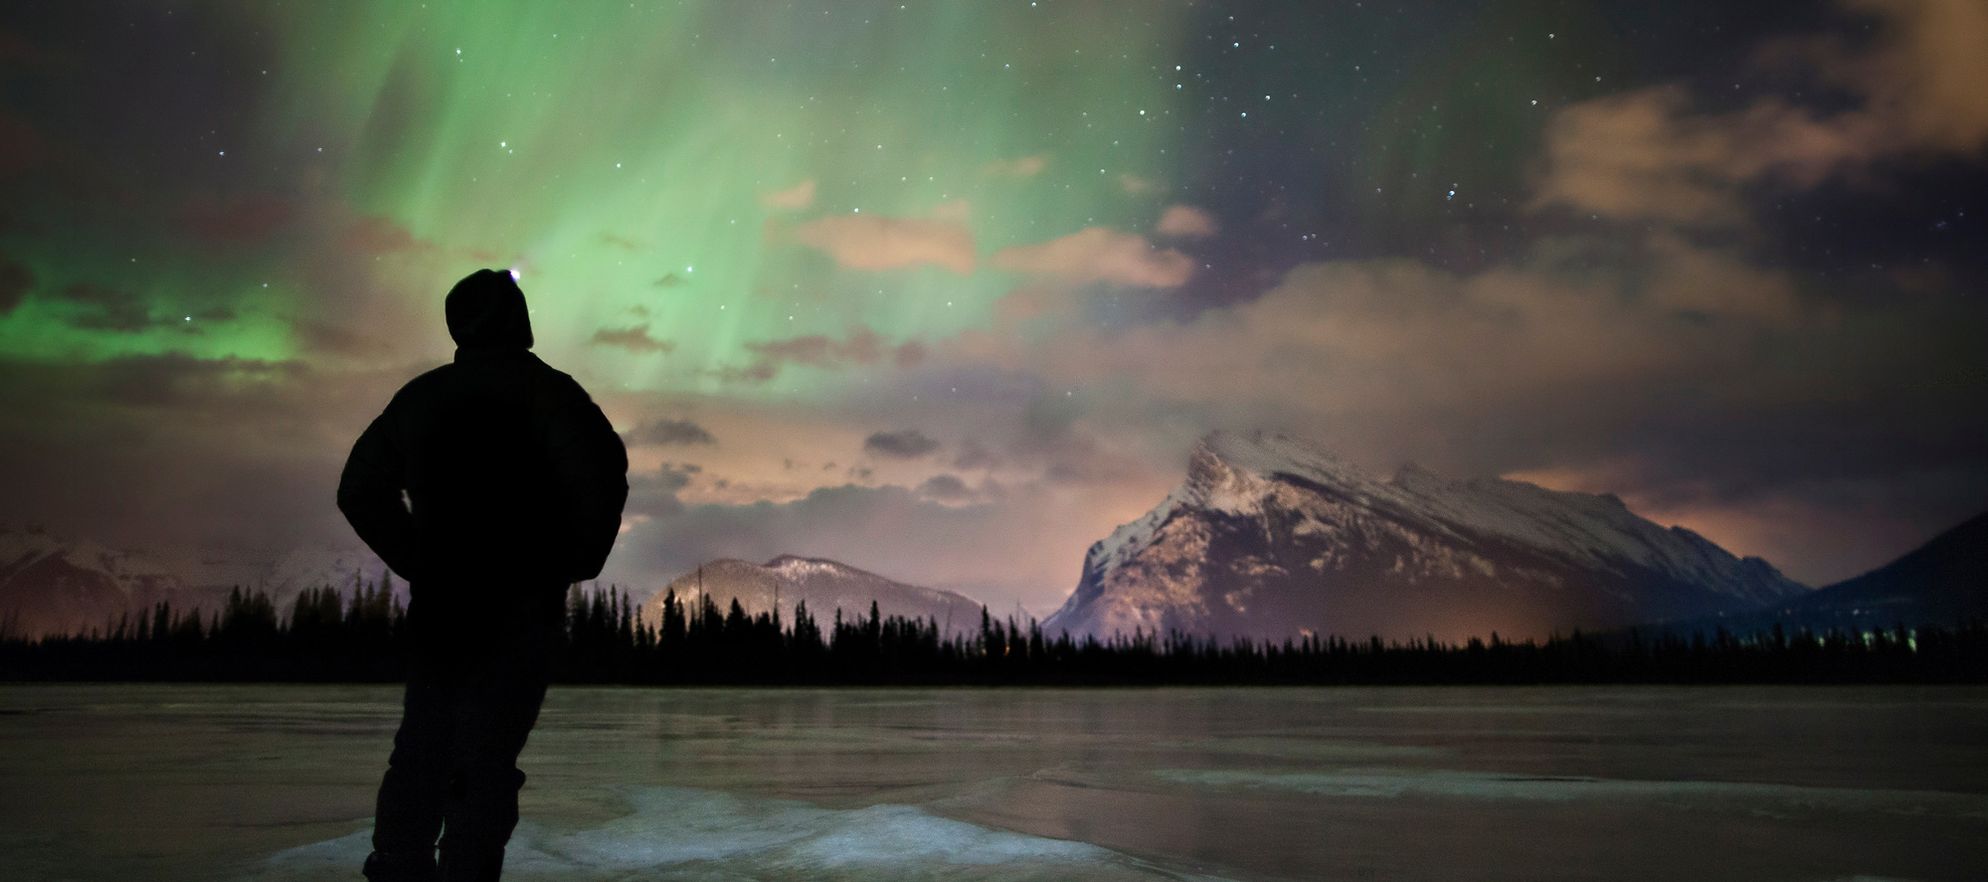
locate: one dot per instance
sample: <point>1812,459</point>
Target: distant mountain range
<point>1944,582</point>
<point>825,585</point>
<point>50,584</point>
<point>1268,536</point>
<point>1272,537</point>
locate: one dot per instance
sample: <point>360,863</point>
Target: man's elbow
<point>357,504</point>
<point>349,500</point>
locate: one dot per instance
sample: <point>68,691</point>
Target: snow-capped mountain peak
<point>1266,521</point>
<point>825,585</point>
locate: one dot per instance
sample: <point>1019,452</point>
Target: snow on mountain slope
<point>826,585</point>
<point>317,566</point>
<point>1270,536</point>
<point>52,585</point>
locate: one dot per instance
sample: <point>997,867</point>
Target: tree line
<point>363,637</point>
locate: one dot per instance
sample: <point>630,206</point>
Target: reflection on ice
<point>687,833</point>
<point>194,783</point>
<point>1734,795</point>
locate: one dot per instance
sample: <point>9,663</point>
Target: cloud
<point>1649,155</point>
<point>1922,76</point>
<point>873,242</point>
<point>945,488</point>
<point>1019,167</point>
<point>1697,365</point>
<point>173,453</point>
<point>955,210</point>
<point>22,146</point>
<point>1099,254</point>
<point>900,444</point>
<point>15,282</point>
<point>1185,222</point>
<point>795,198</point>
<point>335,338</point>
<point>668,431</point>
<point>634,338</point>
<point>974,455</point>
<point>237,220</point>
<point>1358,332</point>
<point>115,310</point>
<point>172,381</point>
<point>1691,280</point>
<point>670,280</point>
<point>212,314</point>
<point>1135,185</point>
<point>614,240</point>
<point>655,494</point>
<point>1646,156</point>
<point>1066,454</point>
<point>860,346</point>
<point>374,235</point>
<point>106,309</point>
<point>908,354</point>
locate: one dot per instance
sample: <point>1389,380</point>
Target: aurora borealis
<point>946,289</point>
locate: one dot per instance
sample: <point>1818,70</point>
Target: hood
<point>486,310</point>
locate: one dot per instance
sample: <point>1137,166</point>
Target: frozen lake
<point>186,782</point>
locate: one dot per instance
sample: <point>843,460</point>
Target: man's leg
<point>408,815</point>
<point>493,717</point>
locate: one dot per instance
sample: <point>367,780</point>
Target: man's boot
<point>401,867</point>
<point>471,864</point>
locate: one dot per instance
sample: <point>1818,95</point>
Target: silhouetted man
<point>514,484</point>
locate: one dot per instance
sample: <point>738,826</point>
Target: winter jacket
<point>514,479</point>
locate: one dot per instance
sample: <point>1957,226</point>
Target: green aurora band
<point>619,156</point>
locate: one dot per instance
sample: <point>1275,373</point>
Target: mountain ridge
<point>825,584</point>
<point>1267,525</point>
<point>1942,582</point>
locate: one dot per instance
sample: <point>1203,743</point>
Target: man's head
<point>486,310</point>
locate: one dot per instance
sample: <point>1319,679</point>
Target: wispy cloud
<point>634,338</point>
<point>1100,254</point>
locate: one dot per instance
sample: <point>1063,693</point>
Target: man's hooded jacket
<point>514,479</point>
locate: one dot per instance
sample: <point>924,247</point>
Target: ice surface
<point>680,832</point>
<point>177,783</point>
<point>1737,796</point>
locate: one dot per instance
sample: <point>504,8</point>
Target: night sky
<point>947,290</point>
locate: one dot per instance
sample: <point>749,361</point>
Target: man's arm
<point>369,495</point>
<point>592,470</point>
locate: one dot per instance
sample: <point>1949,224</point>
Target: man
<point>514,484</point>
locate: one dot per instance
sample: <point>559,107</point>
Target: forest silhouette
<point>326,636</point>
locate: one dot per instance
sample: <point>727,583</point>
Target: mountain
<point>316,566</point>
<point>1943,582</point>
<point>824,584</point>
<point>53,585</point>
<point>1271,537</point>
